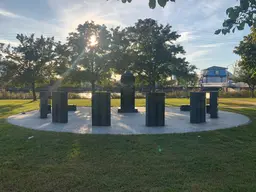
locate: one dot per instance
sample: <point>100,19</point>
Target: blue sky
<point>195,20</point>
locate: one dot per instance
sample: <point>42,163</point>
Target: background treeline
<point>94,54</point>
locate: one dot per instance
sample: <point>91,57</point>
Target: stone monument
<point>59,107</point>
<point>197,107</point>
<point>49,101</point>
<point>155,109</point>
<point>43,104</point>
<point>127,93</point>
<point>101,109</point>
<point>214,104</point>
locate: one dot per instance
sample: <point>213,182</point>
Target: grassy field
<point>222,160</point>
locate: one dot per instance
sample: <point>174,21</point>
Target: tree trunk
<point>153,86</point>
<point>187,92</point>
<point>252,92</point>
<point>33,91</point>
<point>93,86</point>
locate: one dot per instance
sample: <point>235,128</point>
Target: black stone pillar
<point>49,102</point>
<point>49,108</point>
<point>127,94</point>
<point>71,107</point>
<point>59,107</point>
<point>214,104</point>
<point>208,108</point>
<point>155,109</point>
<point>101,109</point>
<point>43,104</point>
<point>197,107</point>
<point>127,100</point>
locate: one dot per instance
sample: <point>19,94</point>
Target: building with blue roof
<point>217,76</point>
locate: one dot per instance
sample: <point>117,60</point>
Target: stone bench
<point>49,109</point>
<point>71,107</point>
<point>185,108</point>
<point>208,108</point>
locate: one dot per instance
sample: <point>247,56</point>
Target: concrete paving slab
<point>127,124</point>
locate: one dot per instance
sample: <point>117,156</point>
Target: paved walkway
<point>126,124</point>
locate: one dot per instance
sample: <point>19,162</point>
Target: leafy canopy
<point>244,74</point>
<point>121,54</point>
<point>239,16</point>
<point>155,51</point>
<point>247,50</point>
<point>152,3</point>
<point>89,49</point>
<point>32,61</point>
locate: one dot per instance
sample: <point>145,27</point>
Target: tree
<point>247,50</point>
<point>152,3</point>
<point>89,48</point>
<point>121,55</point>
<point>156,54</point>
<point>31,61</point>
<point>239,16</point>
<point>243,74</point>
<point>7,71</point>
<point>189,78</point>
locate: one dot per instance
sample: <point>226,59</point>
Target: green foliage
<point>89,48</point>
<point>154,52</point>
<point>236,94</point>
<point>18,95</point>
<point>138,95</point>
<point>32,61</point>
<point>121,55</point>
<point>244,74</point>
<point>152,3</point>
<point>93,53</point>
<point>247,49</point>
<point>189,78</point>
<point>8,73</point>
<point>239,16</point>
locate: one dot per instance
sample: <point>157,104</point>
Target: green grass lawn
<point>222,160</point>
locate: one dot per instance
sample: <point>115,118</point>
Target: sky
<point>194,20</point>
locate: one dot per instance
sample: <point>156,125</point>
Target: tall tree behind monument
<point>156,53</point>
<point>89,47</point>
<point>31,61</point>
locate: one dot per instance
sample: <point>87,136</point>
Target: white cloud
<point>12,43</point>
<point>70,16</point>
<point>197,55</point>
<point>6,13</point>
<point>195,20</point>
<point>211,45</point>
<point>209,7</point>
<point>186,36</point>
<point>16,23</point>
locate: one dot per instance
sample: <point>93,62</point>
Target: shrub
<point>138,95</point>
<point>235,94</point>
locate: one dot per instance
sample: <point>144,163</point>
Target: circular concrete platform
<point>127,124</point>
